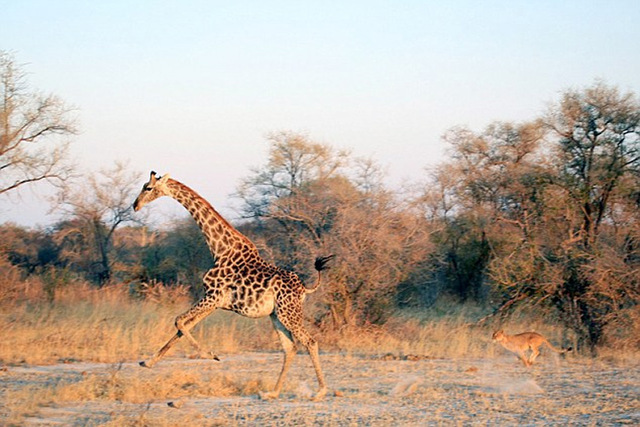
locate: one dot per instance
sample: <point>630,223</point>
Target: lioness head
<point>498,336</point>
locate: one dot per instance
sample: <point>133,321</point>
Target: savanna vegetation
<point>535,223</point>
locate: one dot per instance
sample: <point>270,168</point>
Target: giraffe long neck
<point>222,238</point>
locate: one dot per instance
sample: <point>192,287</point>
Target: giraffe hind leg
<point>184,323</point>
<point>301,334</point>
<point>288,345</point>
<point>315,358</point>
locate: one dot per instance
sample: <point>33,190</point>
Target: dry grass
<point>446,330</point>
<point>108,326</point>
<point>82,323</point>
<point>387,375</point>
<point>365,391</point>
<point>133,385</point>
<point>112,332</point>
<point>77,322</point>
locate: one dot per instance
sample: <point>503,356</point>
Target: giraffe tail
<point>320,265</point>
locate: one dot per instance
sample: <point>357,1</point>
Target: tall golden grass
<point>74,321</point>
<point>56,319</point>
<point>108,325</point>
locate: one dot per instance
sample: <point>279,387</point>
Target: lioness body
<point>525,342</point>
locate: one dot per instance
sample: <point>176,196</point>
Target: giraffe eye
<point>148,189</point>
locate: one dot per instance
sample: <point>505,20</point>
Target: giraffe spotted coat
<point>240,281</point>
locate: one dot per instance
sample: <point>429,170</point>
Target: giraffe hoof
<point>176,404</point>
<point>268,395</point>
<point>320,394</point>
<point>206,355</point>
<point>209,355</point>
<point>144,364</point>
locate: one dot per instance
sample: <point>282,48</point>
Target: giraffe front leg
<point>184,329</point>
<point>150,362</point>
<point>184,323</point>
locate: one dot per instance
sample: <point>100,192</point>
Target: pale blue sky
<point>192,87</point>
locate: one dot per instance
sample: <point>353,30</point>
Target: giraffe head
<point>156,187</point>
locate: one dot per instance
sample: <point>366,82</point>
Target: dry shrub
<point>446,337</point>
<point>23,402</point>
<point>9,281</point>
<point>444,330</point>
<point>431,333</point>
<point>13,288</point>
<point>159,293</point>
<point>229,332</point>
<point>623,335</point>
<point>145,419</point>
<point>369,339</point>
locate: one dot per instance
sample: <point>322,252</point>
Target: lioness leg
<point>535,352</point>
<point>522,356</point>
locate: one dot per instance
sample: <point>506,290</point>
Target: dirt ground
<point>365,391</point>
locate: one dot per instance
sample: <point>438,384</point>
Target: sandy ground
<point>364,391</point>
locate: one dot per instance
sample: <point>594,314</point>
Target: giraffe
<point>240,281</point>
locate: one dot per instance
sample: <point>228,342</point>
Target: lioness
<point>521,343</point>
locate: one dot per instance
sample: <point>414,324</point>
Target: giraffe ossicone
<point>241,281</point>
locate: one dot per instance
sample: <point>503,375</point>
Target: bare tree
<point>598,164</point>
<point>599,143</point>
<point>557,202</point>
<point>33,128</point>
<point>95,209</point>
<point>312,199</point>
<point>294,161</point>
<point>487,198</point>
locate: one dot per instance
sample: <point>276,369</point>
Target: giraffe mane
<point>208,205</point>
